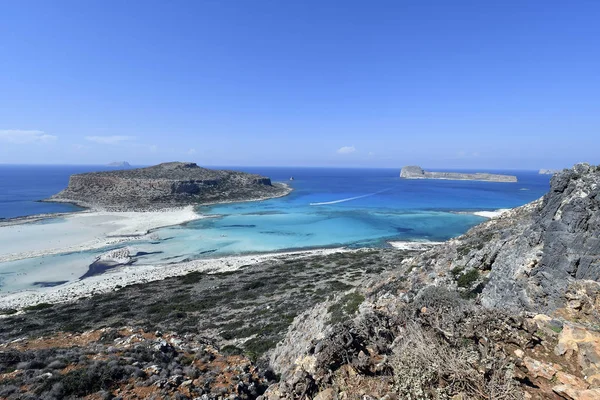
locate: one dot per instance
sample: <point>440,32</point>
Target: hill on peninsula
<point>165,185</point>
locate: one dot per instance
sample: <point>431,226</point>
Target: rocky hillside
<point>165,185</point>
<point>509,310</point>
<point>125,363</point>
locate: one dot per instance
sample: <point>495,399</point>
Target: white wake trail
<point>348,199</point>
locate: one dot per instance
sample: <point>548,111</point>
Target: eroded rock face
<point>165,185</point>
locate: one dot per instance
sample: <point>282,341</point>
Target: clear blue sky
<point>471,84</point>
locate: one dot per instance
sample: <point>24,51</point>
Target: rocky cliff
<point>414,172</point>
<point>165,185</point>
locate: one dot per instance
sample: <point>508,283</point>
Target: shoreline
<point>86,230</point>
<point>130,275</point>
<point>486,213</point>
<point>286,190</point>
<point>109,227</point>
<point>492,214</point>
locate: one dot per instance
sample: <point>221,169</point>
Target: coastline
<point>115,227</point>
<point>286,189</point>
<point>492,214</point>
<point>84,230</point>
<point>129,275</point>
<point>486,213</point>
<point>94,228</point>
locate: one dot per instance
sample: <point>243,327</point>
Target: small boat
<point>291,178</point>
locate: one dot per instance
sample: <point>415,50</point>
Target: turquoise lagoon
<point>328,208</point>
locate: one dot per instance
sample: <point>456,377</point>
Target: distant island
<point>548,171</point>
<point>415,172</point>
<point>124,164</point>
<point>166,185</point>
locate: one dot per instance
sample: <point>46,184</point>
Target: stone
<point>539,369</point>
<point>582,344</point>
<point>570,393</point>
<point>327,394</point>
<point>571,380</point>
<point>519,353</point>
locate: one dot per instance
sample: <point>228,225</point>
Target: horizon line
<point>282,166</point>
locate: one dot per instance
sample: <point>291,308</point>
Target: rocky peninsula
<point>415,172</point>
<point>163,186</point>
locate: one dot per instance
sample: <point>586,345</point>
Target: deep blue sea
<point>345,189</point>
<point>21,186</point>
<point>328,207</point>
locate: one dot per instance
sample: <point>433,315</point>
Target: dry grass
<point>426,366</point>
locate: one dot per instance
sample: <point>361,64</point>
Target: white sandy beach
<point>491,214</point>
<point>128,275</point>
<point>486,214</point>
<point>85,230</point>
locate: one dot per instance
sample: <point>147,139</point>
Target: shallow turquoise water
<point>328,207</point>
<point>331,207</point>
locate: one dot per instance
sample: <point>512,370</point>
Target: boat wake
<point>348,199</point>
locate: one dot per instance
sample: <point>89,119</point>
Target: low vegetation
<point>249,310</point>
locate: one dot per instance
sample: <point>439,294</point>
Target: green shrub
<point>231,350</point>
<point>466,280</point>
<point>345,308</point>
<point>456,271</point>
<point>191,278</point>
<point>256,347</point>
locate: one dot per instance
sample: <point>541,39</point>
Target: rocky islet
<point>415,172</point>
<point>163,186</point>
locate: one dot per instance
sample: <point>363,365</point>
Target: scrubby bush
<point>466,279</point>
<point>426,366</point>
<point>345,308</point>
<point>37,307</point>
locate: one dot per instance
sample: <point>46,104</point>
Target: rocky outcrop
<point>414,172</point>
<point>165,185</point>
<point>526,258</point>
